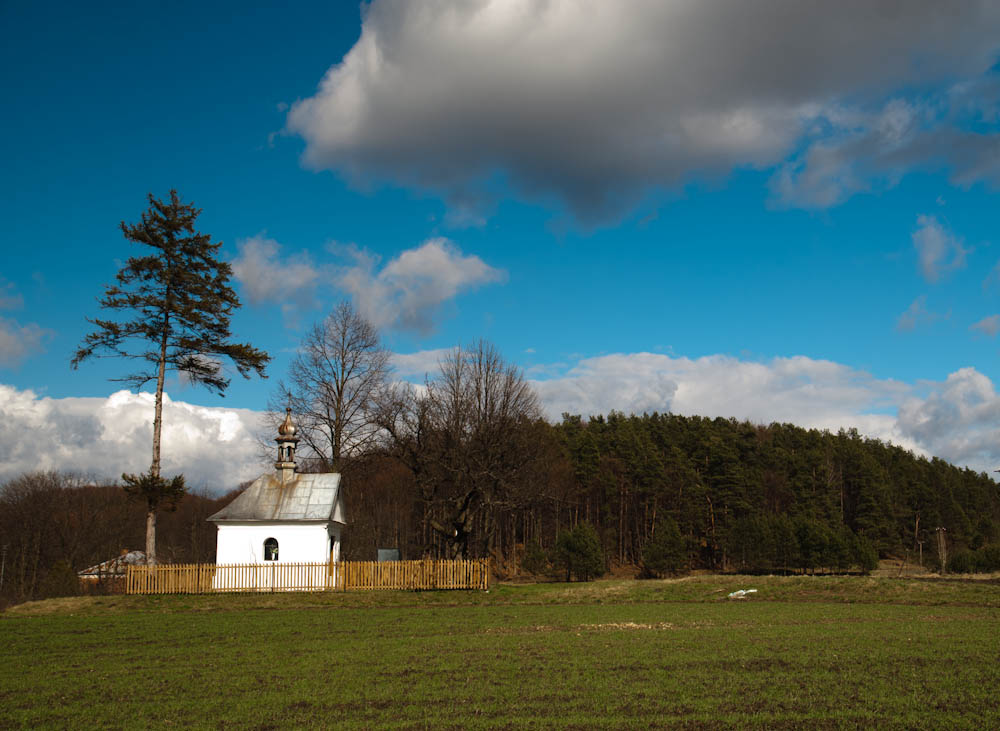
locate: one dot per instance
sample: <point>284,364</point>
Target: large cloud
<point>594,103</point>
<point>213,447</point>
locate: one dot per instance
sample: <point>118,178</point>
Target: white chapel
<point>284,516</point>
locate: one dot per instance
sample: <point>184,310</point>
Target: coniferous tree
<point>666,552</point>
<point>865,555</point>
<point>579,550</point>
<point>173,307</point>
<point>535,561</point>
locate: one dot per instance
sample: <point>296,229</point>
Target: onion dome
<point>287,428</point>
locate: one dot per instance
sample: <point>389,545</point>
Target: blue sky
<point>767,211</point>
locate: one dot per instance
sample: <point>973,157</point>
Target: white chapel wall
<point>244,543</point>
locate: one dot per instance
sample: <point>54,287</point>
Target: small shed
<point>113,568</point>
<point>283,516</point>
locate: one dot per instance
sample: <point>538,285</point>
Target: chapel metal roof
<point>306,497</point>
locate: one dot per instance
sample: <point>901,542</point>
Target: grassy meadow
<point>802,651</point>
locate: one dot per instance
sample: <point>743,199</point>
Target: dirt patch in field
<point>525,630</point>
<point>625,626</point>
<point>602,627</point>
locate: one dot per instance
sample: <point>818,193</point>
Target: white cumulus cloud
<point>596,103</point>
<point>419,364</point>
<point>214,448</point>
<point>268,275</point>
<point>799,390</point>
<point>405,293</point>
<point>959,420</point>
<point>408,291</point>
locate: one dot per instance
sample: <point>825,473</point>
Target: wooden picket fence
<point>414,575</point>
<point>277,576</point>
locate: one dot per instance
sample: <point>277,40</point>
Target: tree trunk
<point>621,523</point>
<point>150,537</point>
<point>154,468</point>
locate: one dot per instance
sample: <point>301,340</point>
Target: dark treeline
<point>663,494</point>
<point>55,524</point>
<point>728,495</point>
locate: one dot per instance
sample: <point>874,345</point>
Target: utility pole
<point>3,565</point>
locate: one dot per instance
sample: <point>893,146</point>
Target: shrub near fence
<point>276,576</point>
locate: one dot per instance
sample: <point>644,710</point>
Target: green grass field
<point>817,652</point>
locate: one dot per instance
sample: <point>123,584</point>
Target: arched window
<point>271,550</point>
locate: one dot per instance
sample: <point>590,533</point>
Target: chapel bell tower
<point>286,448</point>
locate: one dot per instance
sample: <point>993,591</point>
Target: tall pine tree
<point>173,307</point>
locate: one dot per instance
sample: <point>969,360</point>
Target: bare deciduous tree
<point>468,439</point>
<point>332,387</point>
